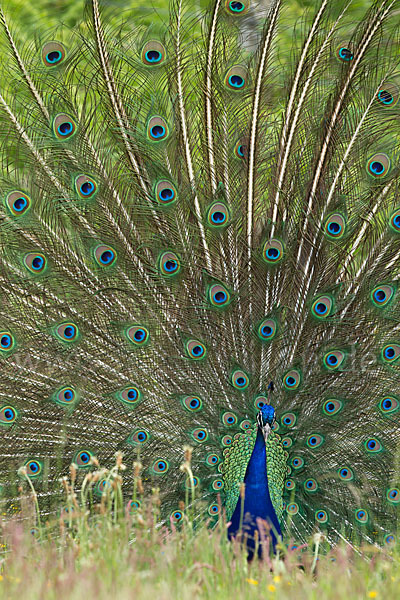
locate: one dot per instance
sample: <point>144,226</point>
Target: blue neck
<point>257,501</point>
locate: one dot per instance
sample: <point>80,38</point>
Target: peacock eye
<point>67,332</point>
<point>218,215</point>
<point>35,262</point>
<point>321,516</point>
<point>105,256</point>
<point>138,335</point>
<point>259,402</point>
<point>85,187</point>
<point>8,415</point>
<point>53,54</point>
<point>290,484</point>
<point>33,468</point>
<point>200,434</point>
<point>297,462</point>
<point>217,485</point>
<point>130,396</point>
<point>153,53</point>
<point>288,419</point>
<point>315,440</point>
<point>240,380</point>
<point>157,129</point>
<point>229,419</point>
<point>83,459</point>
<point>310,485</point>
<point>177,516</point>
<point>373,445</point>
<point>237,78</point>
<point>212,460</point>
<point>322,307</point>
<point>395,221</point>
<point>390,353</point>
<point>218,296</point>
<point>192,403</point>
<point>382,295</point>
<point>226,441</point>
<point>160,466</point>
<point>169,264</point>
<point>196,350</point>
<point>66,396</point>
<point>7,341</point>
<point>241,148</point>
<point>266,330</point>
<point>378,165</point>
<point>214,509</point>
<point>273,251</point>
<point>361,515</point>
<point>237,7</point>
<point>64,127</point>
<point>346,474</point>
<point>335,226</point>
<point>292,508</point>
<point>18,203</point>
<point>165,193</point>
<point>344,53</point>
<point>388,95</point>
<point>389,404</point>
<point>139,437</point>
<point>332,407</point>
<point>393,495</point>
<point>334,359</point>
<point>292,379</point>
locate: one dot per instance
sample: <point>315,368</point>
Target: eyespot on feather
<point>66,396</point>
<point>35,262</point>
<point>7,342</point>
<point>292,380</point>
<point>218,215</point>
<point>378,165</point>
<point>273,251</point>
<point>382,295</point>
<point>334,359</point>
<point>388,95</point>
<point>192,403</point>
<point>169,264</point>
<point>153,53</point>
<point>195,350</point>
<point>165,193</point>
<point>53,54</point>
<point>200,434</point>
<point>236,7</point>
<point>239,380</point>
<point>64,127</point>
<point>157,129</point>
<point>335,226</point>
<point>237,78</point>
<point>105,256</point>
<point>322,307</point>
<point>85,187</point>
<point>138,335</point>
<point>18,203</point>
<point>83,459</point>
<point>130,395</point>
<point>67,332</point>
<point>8,415</point>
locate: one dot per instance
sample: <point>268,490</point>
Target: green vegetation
<point>100,549</point>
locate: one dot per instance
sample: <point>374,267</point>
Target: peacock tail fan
<point>185,218</point>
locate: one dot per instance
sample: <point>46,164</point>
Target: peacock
<point>200,252</point>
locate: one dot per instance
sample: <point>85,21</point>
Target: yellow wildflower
<point>271,588</point>
<point>252,581</point>
<point>277,579</point>
<point>373,594</point>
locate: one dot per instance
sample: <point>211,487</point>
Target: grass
<point>102,550</point>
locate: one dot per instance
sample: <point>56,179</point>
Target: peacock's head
<point>266,417</point>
